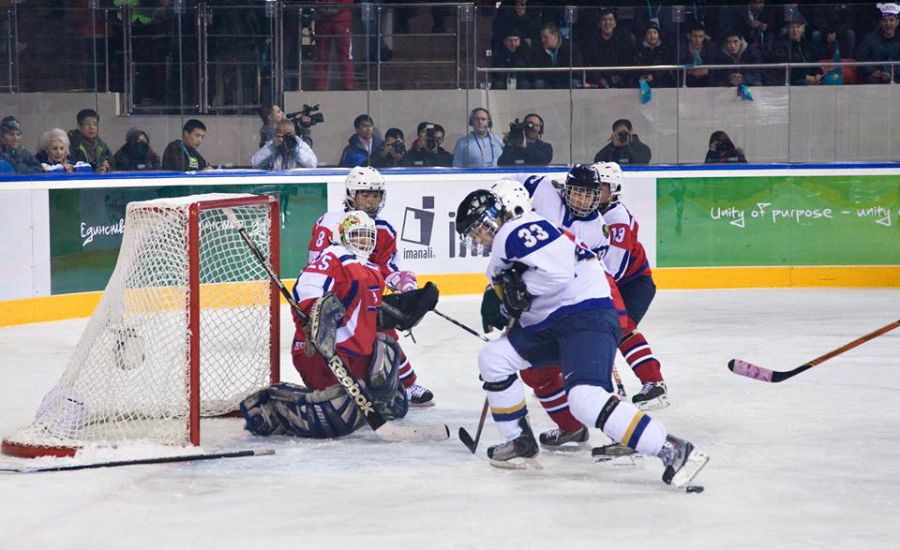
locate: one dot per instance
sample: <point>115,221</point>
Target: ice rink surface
<point>812,462</point>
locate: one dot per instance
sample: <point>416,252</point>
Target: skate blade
<point>569,447</point>
<point>695,462</point>
<point>421,405</point>
<point>517,464</point>
<point>655,404</point>
<point>628,460</point>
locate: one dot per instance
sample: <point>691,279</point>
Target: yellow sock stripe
<point>631,427</point>
<point>508,410</point>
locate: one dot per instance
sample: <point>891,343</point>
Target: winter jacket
<point>875,47</point>
<point>618,51</point>
<point>735,156</point>
<point>132,158</point>
<point>560,57</point>
<point>804,51</point>
<point>633,153</point>
<point>95,153</point>
<point>747,54</point>
<point>51,166</point>
<point>503,58</point>
<point>20,160</point>
<point>535,153</point>
<point>658,55</point>
<point>424,157</point>
<point>356,154</point>
<point>181,157</point>
<point>707,55</point>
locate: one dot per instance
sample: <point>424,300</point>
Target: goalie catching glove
<point>404,311</point>
<point>324,316</point>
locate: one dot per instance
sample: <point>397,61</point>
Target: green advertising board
<point>86,227</point>
<point>778,221</point>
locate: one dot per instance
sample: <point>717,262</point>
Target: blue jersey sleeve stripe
<point>531,184</point>
<point>354,288</point>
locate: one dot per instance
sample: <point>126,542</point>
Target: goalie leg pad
<point>324,317</point>
<point>411,306</point>
<point>295,410</point>
<point>384,385</point>
<point>259,415</point>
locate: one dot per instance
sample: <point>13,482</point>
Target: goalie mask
<point>582,190</point>
<point>479,216</point>
<point>356,232</point>
<point>369,182</point>
<point>514,198</point>
<point>610,173</point>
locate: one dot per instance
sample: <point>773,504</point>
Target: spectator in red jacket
<point>333,24</point>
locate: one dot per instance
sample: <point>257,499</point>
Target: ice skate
<point>653,395</point>
<point>683,462</point>
<point>419,396</point>
<point>615,454</point>
<point>560,440</point>
<point>518,453</point>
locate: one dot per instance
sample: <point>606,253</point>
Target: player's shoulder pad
<point>531,234</point>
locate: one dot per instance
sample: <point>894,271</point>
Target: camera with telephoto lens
<point>517,131</point>
<point>430,142</point>
<point>399,148</point>
<point>290,142</point>
<point>722,147</point>
<point>623,136</point>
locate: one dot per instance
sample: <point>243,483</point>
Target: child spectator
<point>85,142</point>
<point>136,154</point>
<point>181,155</point>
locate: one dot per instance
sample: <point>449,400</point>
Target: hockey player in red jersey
<point>366,191</point>
<point>343,277</point>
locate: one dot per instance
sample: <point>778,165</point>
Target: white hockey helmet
<point>514,198</point>
<point>357,233</point>
<point>364,178</point>
<point>610,173</point>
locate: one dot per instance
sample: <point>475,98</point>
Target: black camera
<point>722,147</point>
<point>290,142</point>
<point>623,136</point>
<point>430,142</point>
<point>312,112</point>
<point>399,148</point>
<point>517,131</point>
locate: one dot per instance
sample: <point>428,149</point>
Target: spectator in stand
<point>54,153</point>
<point>555,51</point>
<point>480,148</point>
<point>181,155</point>
<point>333,24</point>
<point>882,44</point>
<point>797,48</point>
<point>392,150</point>
<point>515,14</point>
<point>608,46</point>
<point>426,150</point>
<point>832,29</point>
<point>524,146</point>
<point>86,144</point>
<point>653,51</point>
<point>136,154</point>
<point>736,51</point>
<point>722,150</point>
<point>285,151</point>
<point>11,151</point>
<point>362,145</point>
<point>514,55</point>
<point>271,115</point>
<point>756,22</point>
<point>624,147</point>
<point>698,51</point>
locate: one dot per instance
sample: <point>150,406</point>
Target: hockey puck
<point>694,489</point>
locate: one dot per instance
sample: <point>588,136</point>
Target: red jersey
<point>359,285</point>
<point>626,258</point>
<point>384,255</point>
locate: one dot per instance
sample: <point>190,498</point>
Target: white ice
<point>812,462</point>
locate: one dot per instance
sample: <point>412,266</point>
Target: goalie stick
<point>358,393</point>
<point>744,368</point>
<point>136,462</point>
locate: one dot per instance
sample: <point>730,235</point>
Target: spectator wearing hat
<point>608,46</point>
<point>11,150</point>
<point>736,51</point>
<point>882,44</point>
<point>513,54</point>
<point>85,141</point>
<point>54,153</point>
<point>653,51</point>
<point>797,48</point>
<point>515,14</point>
<point>136,154</point>
<point>699,50</point>
<point>555,51</point>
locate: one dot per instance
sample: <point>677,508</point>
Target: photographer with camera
<point>523,145</point>
<point>624,147</point>
<point>392,150</point>
<point>722,150</point>
<point>426,150</point>
<point>285,152</point>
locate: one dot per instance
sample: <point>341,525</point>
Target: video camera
<point>517,131</point>
<point>315,117</point>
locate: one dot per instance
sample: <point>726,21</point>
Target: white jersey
<point>562,277</point>
<point>548,201</point>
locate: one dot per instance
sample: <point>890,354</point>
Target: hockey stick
<point>464,436</point>
<point>750,370</point>
<point>358,393</point>
<point>462,326</point>
<point>620,387</point>
<point>137,461</point>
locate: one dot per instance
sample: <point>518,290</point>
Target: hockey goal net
<point>187,327</point>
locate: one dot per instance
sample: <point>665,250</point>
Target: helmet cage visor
<point>582,200</point>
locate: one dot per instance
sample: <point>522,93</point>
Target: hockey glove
<point>324,317</point>
<point>513,291</point>
<point>404,311</point>
<point>401,281</point>
<point>491,316</point>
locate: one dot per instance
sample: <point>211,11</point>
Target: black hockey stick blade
<point>137,461</point>
<point>472,444</point>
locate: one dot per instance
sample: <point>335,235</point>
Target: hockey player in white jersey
<point>555,290</point>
